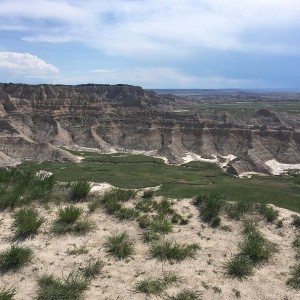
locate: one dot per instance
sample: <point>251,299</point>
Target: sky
<point>152,43</point>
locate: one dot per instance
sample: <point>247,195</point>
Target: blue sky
<point>152,43</point>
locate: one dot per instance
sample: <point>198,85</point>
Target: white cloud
<point>146,29</point>
<point>25,64</point>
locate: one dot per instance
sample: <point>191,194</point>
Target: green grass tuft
<point>294,280</point>
<point>172,251</point>
<point>14,258</point>
<point>155,286</point>
<point>7,293</point>
<point>148,194</point>
<point>69,214</point>
<point>119,245</point>
<point>185,295</point>
<point>79,190</point>
<point>296,221</point>
<point>268,212</point>
<point>92,268</point>
<point>27,222</point>
<point>161,225</point>
<point>239,267</point>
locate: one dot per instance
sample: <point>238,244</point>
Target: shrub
<point>14,258</point>
<point>70,288</point>
<point>185,295</point>
<point>69,214</point>
<point>79,190</point>
<point>296,221</point>
<point>173,251</point>
<point>294,280</point>
<point>119,245</point>
<point>7,293</point>
<point>257,248</point>
<point>27,222</point>
<point>239,267</point>
<point>92,268</point>
<point>155,286</point>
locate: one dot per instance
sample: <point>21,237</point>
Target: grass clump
<point>296,242</point>
<point>239,267</point>
<point>148,194</point>
<point>161,225</point>
<point>294,280</point>
<point>119,245</point>
<point>164,207</point>
<point>14,258</point>
<point>237,209</point>
<point>155,286</point>
<point>185,295</point>
<point>209,205</point>
<point>172,251</point>
<point>125,213</point>
<point>27,222</point>
<point>79,190</point>
<point>69,214</point>
<point>296,221</point>
<point>7,293</point>
<point>92,268</point>
<point>257,248</point>
<point>145,205</point>
<point>149,236</point>
<point>268,212</point>
<point>69,288</point>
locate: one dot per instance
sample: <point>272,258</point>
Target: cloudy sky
<point>152,43</point>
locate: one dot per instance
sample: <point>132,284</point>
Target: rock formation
<point>36,120</point>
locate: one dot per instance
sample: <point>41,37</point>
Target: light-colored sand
<point>118,278</point>
<point>279,168</point>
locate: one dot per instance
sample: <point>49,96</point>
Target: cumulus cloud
<point>158,27</point>
<point>26,64</point>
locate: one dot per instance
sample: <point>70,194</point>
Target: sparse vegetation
<point>77,251</point>
<point>185,295</point>
<point>294,280</point>
<point>235,210</point>
<point>268,212</point>
<point>161,225</point>
<point>155,286</point>
<point>119,245</point>
<point>92,268</point>
<point>172,251</point>
<point>149,236</point>
<point>148,194</point>
<point>27,222</point>
<point>69,214</point>
<point>296,221</point>
<point>7,293</point>
<point>14,258</point>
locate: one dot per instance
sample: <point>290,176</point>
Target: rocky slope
<point>38,119</point>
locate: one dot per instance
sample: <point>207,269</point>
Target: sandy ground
<point>118,277</point>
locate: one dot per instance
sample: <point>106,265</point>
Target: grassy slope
<point>137,171</point>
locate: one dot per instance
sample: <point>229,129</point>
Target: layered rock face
<point>36,120</point>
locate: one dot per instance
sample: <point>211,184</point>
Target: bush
<point>7,293</point>
<point>257,248</point>
<point>70,288</point>
<point>294,280</point>
<point>27,222</point>
<point>239,267</point>
<point>79,190</point>
<point>119,245</point>
<point>14,258</point>
<point>69,214</point>
<point>155,286</point>
<point>173,251</point>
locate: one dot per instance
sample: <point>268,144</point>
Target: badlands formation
<point>37,121</point>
